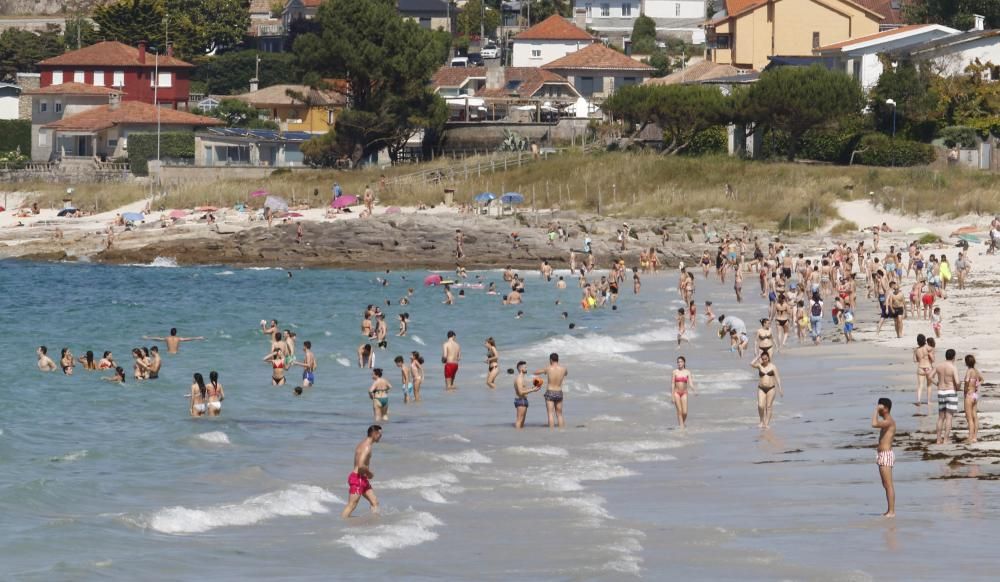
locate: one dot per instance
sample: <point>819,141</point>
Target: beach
<point>117,482</point>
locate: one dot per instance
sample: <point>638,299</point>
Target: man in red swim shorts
<point>451,354</point>
<point>358,479</point>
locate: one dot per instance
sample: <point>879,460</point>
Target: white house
<point>952,54</point>
<point>550,39</point>
<point>860,57</point>
<point>615,18</point>
<point>10,98</point>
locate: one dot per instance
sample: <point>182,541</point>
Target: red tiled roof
<point>73,89</point>
<point>456,76</point>
<point>312,3</point>
<point>877,35</point>
<point>529,80</point>
<point>889,14</point>
<point>278,95</point>
<point>598,56</point>
<point>700,71</point>
<point>554,27</point>
<point>128,113</point>
<point>111,54</point>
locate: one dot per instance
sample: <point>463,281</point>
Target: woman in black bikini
<point>88,361</point>
<point>769,381</point>
<point>782,314</point>
<point>492,362</point>
<point>765,339</point>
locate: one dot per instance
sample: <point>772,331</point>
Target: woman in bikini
<point>766,385</point>
<point>492,362</point>
<point>973,380</point>
<point>366,324</point>
<point>140,368</point>
<point>366,356</point>
<point>107,362</point>
<point>417,371</point>
<point>66,362</point>
<point>706,263</point>
<point>924,358</point>
<point>88,361</point>
<point>118,378</point>
<point>782,314</point>
<point>680,384</point>
<point>764,341</point>
<point>199,394</point>
<point>215,394</point>
<point>277,360</point>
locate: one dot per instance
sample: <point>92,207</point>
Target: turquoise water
<point>117,482</point>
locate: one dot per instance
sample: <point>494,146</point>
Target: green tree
<point>230,73</point>
<point>644,35</point>
<point>681,111</point>
<point>238,113</point>
<point>797,99</point>
<point>956,13</point>
<point>542,9</point>
<point>20,50</point>
<point>130,21</point>
<point>387,63</point>
<point>918,106</point>
<point>80,32</point>
<point>469,18</point>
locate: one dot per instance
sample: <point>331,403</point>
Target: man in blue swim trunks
<point>309,374</point>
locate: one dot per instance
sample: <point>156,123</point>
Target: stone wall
<point>27,82</point>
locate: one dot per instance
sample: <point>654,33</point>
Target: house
<point>699,72</point>
<point>596,71</point>
<point>550,39</point>
<point>297,107</point>
<point>493,92</point>
<point>951,55</point>
<point>862,57</point>
<point>74,120</point>
<point>614,19</point>
<point>298,10</point>
<point>747,32</point>
<point>10,98</point>
<point>430,14</point>
<point>229,146</point>
<point>893,15</point>
<point>137,74</point>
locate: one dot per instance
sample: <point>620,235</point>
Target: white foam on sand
<point>216,437</point>
<point>712,382</point>
<point>572,386</point>
<point>70,457</point>
<point>606,418</point>
<point>419,481</point>
<point>542,451</point>
<point>469,457</point>
<point>295,501</point>
<point>433,496</point>
<point>632,449</point>
<point>412,529</point>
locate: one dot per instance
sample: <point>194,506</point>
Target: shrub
<point>876,149</point>
<point>142,148</point>
<point>929,239</point>
<point>844,227</point>
<point>961,136</point>
<point>713,140</point>
<point>15,134</point>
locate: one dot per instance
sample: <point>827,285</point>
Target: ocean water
<point>118,483</point>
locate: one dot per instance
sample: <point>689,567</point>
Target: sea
<point>118,482</point>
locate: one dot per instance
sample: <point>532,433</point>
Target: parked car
<point>476,60</point>
<point>460,62</point>
<point>490,51</point>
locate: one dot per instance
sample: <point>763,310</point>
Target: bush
<point>142,148</point>
<point>713,140</point>
<point>876,149</point>
<point>961,136</point>
<point>929,239</point>
<point>15,134</point>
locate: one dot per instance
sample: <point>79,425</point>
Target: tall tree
<point>130,21</point>
<point>956,13</point>
<point>20,50</point>
<point>230,73</point>
<point>797,99</point>
<point>387,63</point>
<point>681,111</point>
<point>472,14</point>
<point>542,9</point>
<point>644,35</point>
<point>917,103</point>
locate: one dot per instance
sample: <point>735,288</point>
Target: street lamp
<point>892,103</point>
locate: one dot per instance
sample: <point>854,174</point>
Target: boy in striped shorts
<point>884,458</point>
<point>945,376</point>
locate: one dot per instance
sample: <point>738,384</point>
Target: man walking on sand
<point>553,395</point>
<point>173,341</point>
<point>358,480</point>
<point>885,458</point>
<point>945,376</point>
<point>897,308</point>
<point>451,355</point>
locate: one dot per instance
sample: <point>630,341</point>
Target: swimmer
<point>681,384</point>
<point>215,394</point>
<point>277,361</point>
<point>555,374</point>
<point>451,355</point>
<point>449,299</point>
<point>309,365</point>
<point>561,283</point>
<point>521,393</point>
<point>297,391</point>
<point>404,320</point>
<point>379,393</point>
<point>173,341</point>
<point>417,371</point>
<point>67,362</point>
<point>118,378</point>
<point>155,362</point>
<point>709,315</point>
<point>492,362</point>
<point>199,396</point>
<point>107,362</point>
<point>884,457</point>
<point>406,380</point>
<point>88,361</point>
<point>358,480</point>
<point>366,356</point>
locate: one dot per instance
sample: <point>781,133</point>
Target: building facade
<point>614,19</point>
<point>550,39</point>
<point>10,99</point>
<point>597,71</point>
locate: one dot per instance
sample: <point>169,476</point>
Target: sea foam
<point>590,344</point>
<point>542,451</point>
<point>469,457</point>
<point>70,457</point>
<point>216,437</point>
<point>411,530</point>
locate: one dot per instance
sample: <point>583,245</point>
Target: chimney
<point>979,22</point>
<point>580,18</point>
<point>254,85</point>
<point>494,74</point>
<point>114,100</point>
<point>142,52</point>
<point>170,50</point>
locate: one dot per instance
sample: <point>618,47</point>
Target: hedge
<point>142,148</point>
<point>14,134</point>
<point>877,149</point>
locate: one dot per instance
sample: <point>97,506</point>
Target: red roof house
<point>550,39</point>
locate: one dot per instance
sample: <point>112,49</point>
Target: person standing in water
<point>681,383</point>
<point>309,365</point>
<point>492,363</point>
<point>358,481</point>
<point>885,458</point>
<point>451,355</point>
<point>379,393</point>
<point>173,341</point>
<point>521,393</point>
<point>215,394</point>
<point>769,380</point>
<point>973,379</point>
<point>406,379</point>
<point>417,369</point>
<point>555,374</point>
<point>945,376</point>
<point>199,396</point>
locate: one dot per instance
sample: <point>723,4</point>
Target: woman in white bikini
<point>215,394</point>
<point>681,382</point>
<point>199,395</point>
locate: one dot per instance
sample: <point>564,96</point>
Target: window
<point>57,78</point>
<point>166,80</point>
<point>79,77</point>
<point>626,9</point>
<point>98,78</point>
<point>815,40</point>
<point>605,9</point>
<point>677,9</point>
<point>722,41</point>
<point>119,79</point>
<point>43,137</point>
<point>43,106</point>
<point>590,10</point>
<point>58,106</point>
<point>112,144</point>
<point>536,53</point>
<point>425,23</point>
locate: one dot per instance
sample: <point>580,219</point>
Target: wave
<point>571,477</point>
<point>419,481</point>
<point>590,344</point>
<point>455,437</point>
<point>344,362</point>
<point>225,273</point>
<point>589,505</point>
<point>573,386</point>
<point>216,437</point>
<point>416,339</point>
<point>259,268</point>
<point>539,451</point>
<point>433,496</point>
<point>469,457</point>
<point>412,530</point>
<point>295,501</point>
<point>162,262</point>
<point>70,457</point>
<point>606,418</point>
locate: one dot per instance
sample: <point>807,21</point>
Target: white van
<point>460,62</point>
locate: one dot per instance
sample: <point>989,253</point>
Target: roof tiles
<point>554,27</point>
<point>598,57</point>
<point>129,113</point>
<point>111,54</point>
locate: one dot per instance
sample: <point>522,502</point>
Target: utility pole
<point>156,100</point>
<point>482,22</point>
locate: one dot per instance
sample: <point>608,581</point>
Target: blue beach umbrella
<point>133,216</point>
<point>512,198</point>
<point>485,197</point>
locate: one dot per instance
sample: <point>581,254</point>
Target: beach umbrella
<point>178,213</point>
<point>259,193</point>
<point>484,197</point>
<point>344,201</point>
<point>918,230</point>
<point>394,210</point>
<point>66,211</point>
<point>276,203</point>
<point>432,279</point>
<point>512,198</point>
<point>133,216</point>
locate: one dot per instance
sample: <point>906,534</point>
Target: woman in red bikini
<point>681,382</point>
